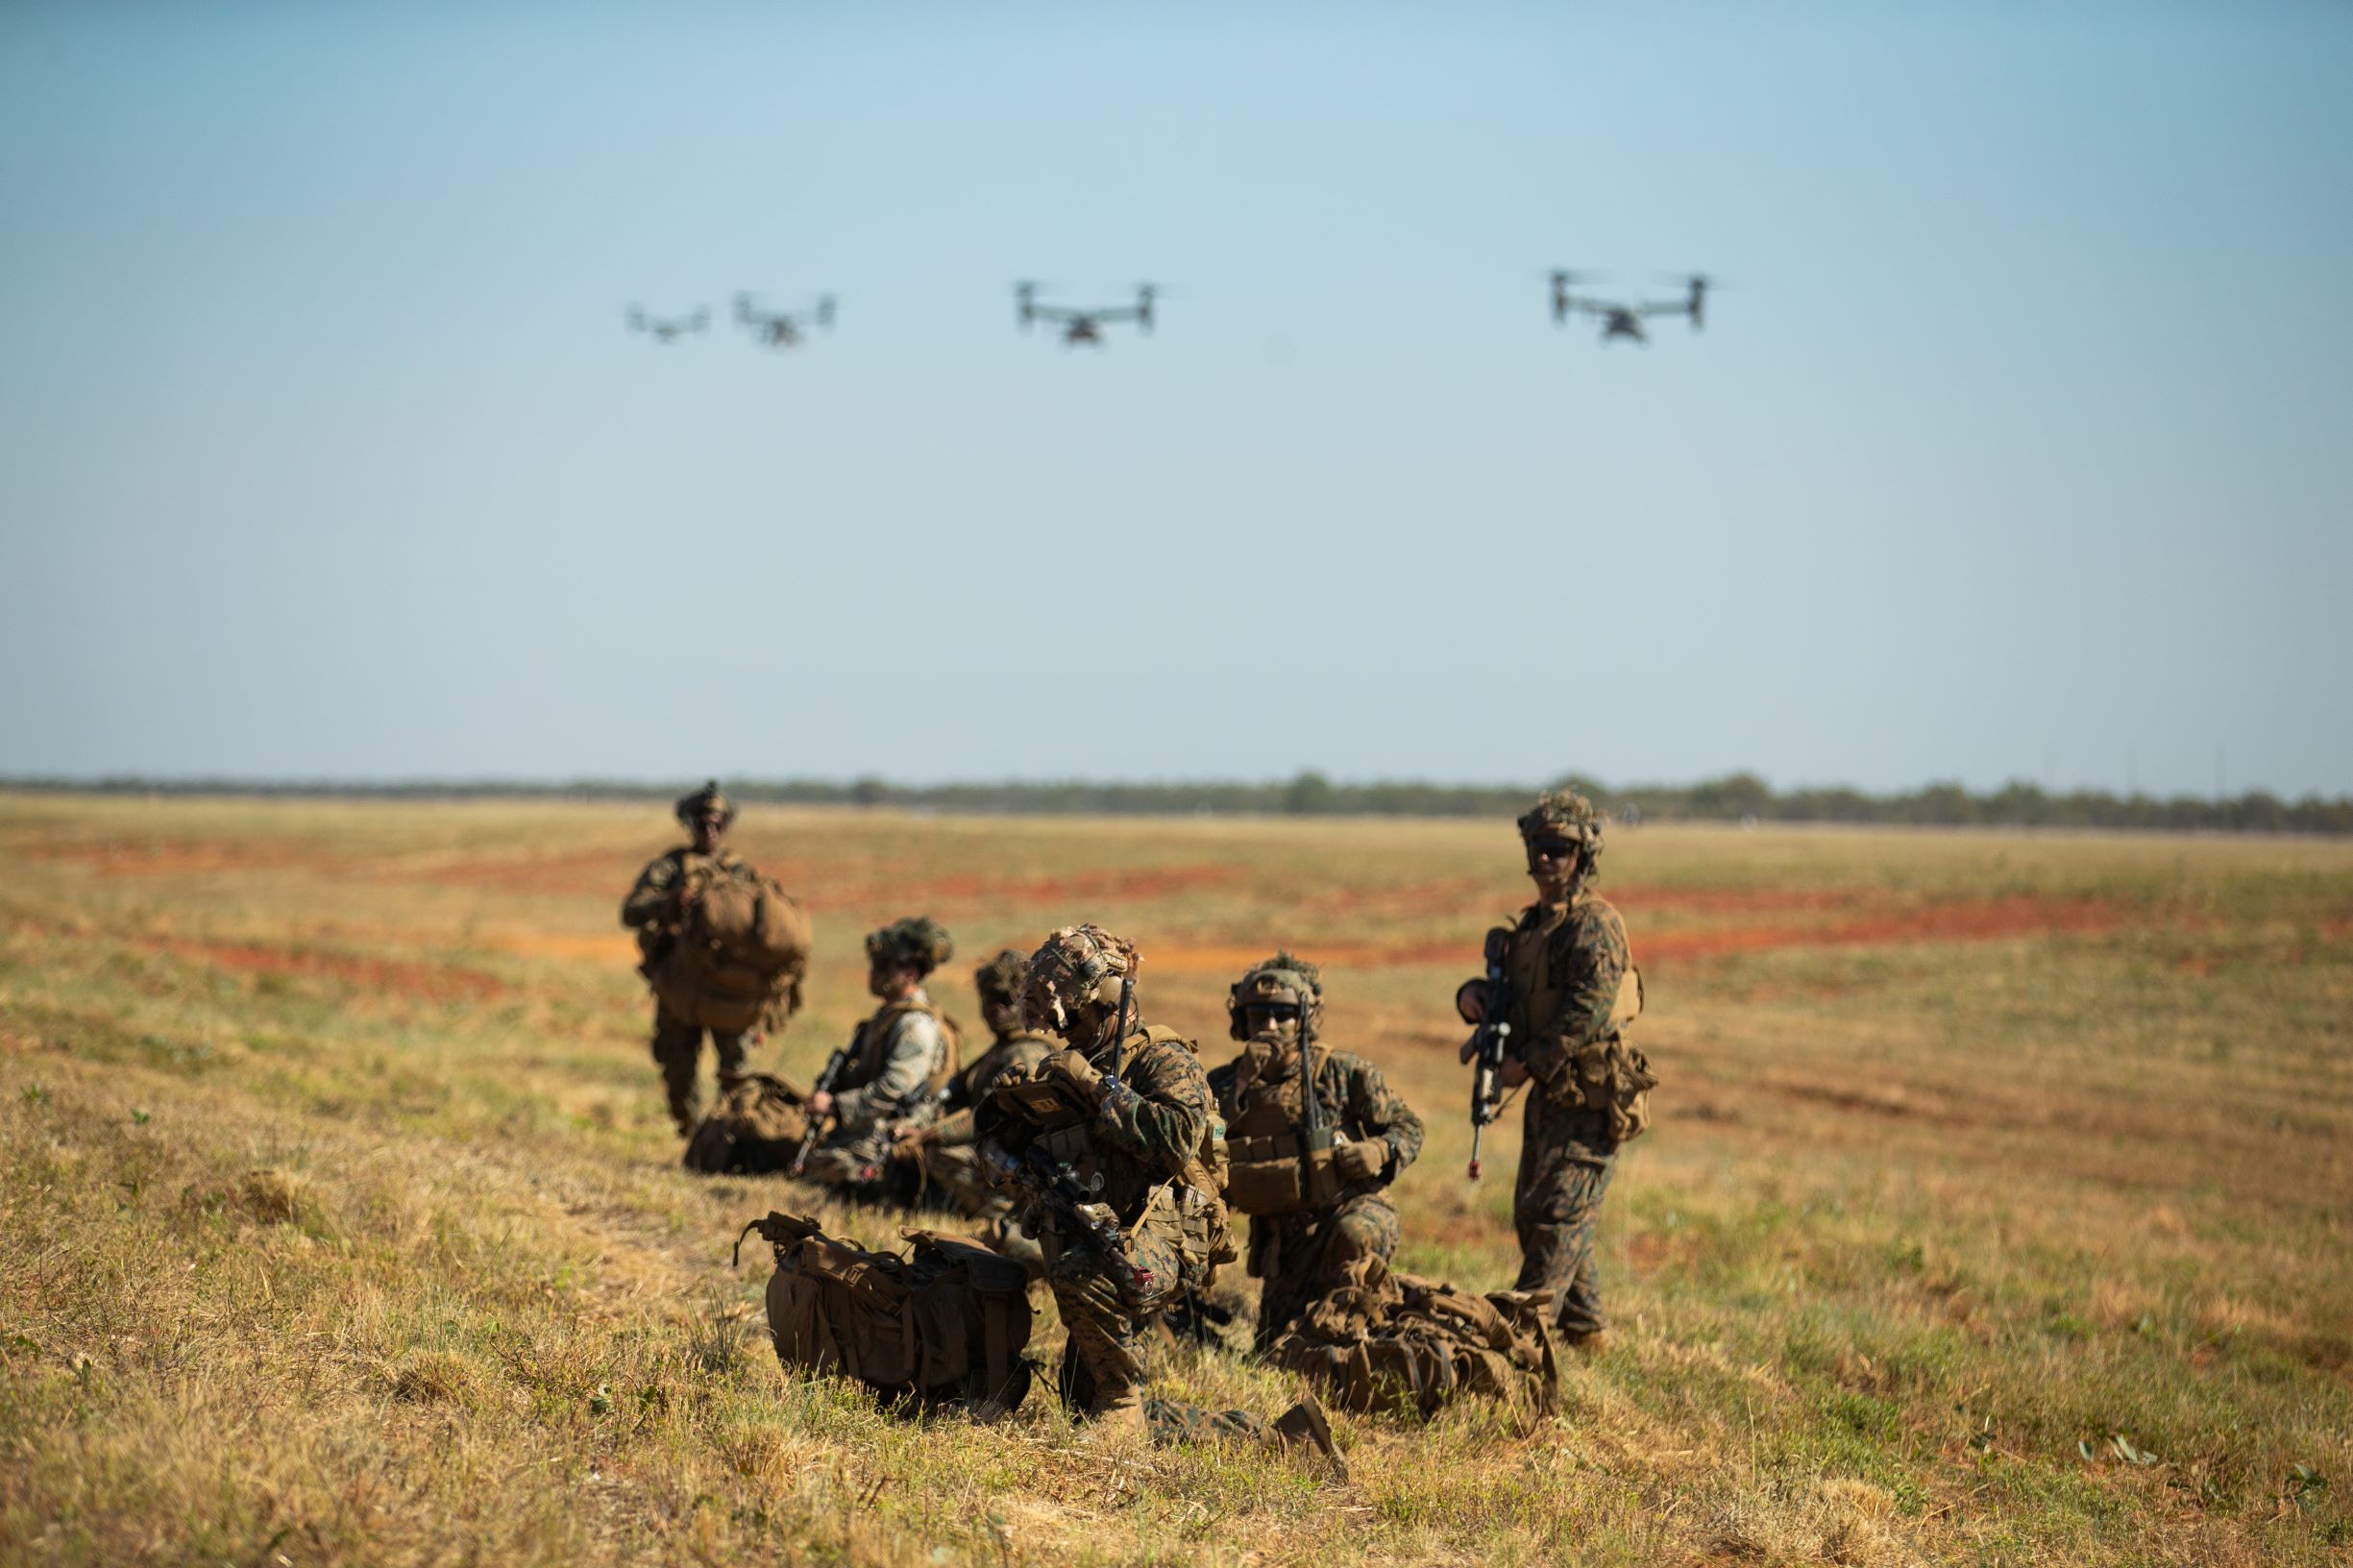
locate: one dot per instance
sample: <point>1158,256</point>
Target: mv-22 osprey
<point>1626,320</point>
<point>1081,325</point>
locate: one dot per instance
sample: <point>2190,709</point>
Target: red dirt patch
<point>1973,920</point>
<point>433,982</point>
<point>1984,919</point>
<point>617,947</point>
<point>1132,884</point>
<point>1731,901</point>
<point>583,871</point>
<point>167,857</point>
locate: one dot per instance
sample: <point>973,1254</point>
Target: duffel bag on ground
<point>1398,1342</point>
<point>945,1324</point>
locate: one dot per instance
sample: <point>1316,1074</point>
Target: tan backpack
<point>755,1128</point>
<point>740,960</point>
<point>946,1323</point>
<point>1398,1342</point>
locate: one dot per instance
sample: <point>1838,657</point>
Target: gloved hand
<point>1361,1161</point>
<point>1073,1070</point>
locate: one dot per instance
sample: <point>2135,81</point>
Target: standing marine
<point>1114,1146</point>
<point>942,1154</point>
<point>1310,1168</point>
<point>1572,991</point>
<point>736,988</point>
<point>895,1064</point>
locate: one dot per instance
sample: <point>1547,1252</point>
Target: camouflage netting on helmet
<point>706,801</point>
<point>1070,971</point>
<point>917,943</point>
<point>1565,814</point>
<point>1282,980</point>
<point>999,980</point>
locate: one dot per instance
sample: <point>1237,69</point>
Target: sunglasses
<point>1273,1010</point>
<point>1552,848</point>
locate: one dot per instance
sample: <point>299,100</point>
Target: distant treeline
<point>1737,799</point>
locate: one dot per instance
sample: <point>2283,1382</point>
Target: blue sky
<point>2014,446</point>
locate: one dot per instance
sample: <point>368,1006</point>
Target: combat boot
<point>1118,1418</point>
<point>1304,1429</point>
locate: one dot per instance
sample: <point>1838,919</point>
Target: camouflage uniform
<point>947,1155</point>
<point>1140,1149</point>
<point>651,910</point>
<point>898,1062</point>
<point>1567,963</point>
<point>1300,1257</point>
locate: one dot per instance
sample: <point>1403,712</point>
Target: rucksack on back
<point>945,1324</point>
<point>756,1127</point>
<point>739,959</point>
<point>1398,1342</point>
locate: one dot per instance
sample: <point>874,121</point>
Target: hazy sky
<point>2017,445</point>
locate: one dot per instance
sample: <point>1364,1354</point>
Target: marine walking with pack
<point>723,948</point>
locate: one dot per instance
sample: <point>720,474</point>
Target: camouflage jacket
<point>893,1060</point>
<point>1351,1097</point>
<point>1020,1051</point>
<point>651,901</point>
<point>1150,1128</point>
<point>1566,962</point>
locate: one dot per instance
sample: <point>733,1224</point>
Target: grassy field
<point>1998,1208</point>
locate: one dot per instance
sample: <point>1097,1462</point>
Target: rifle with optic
<point>1490,1044</point>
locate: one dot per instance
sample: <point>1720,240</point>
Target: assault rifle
<point>1490,1045</point>
<point>1315,1135</point>
<point>835,1065</point>
<point>1056,1185</point>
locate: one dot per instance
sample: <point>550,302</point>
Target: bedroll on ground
<point>1397,1344</point>
<point>755,1128</point>
<point>739,961</point>
<point>945,1324</point>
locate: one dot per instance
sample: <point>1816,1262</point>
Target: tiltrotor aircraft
<point>778,328</point>
<point>1626,320</point>
<point>1081,325</point>
<point>668,329</point>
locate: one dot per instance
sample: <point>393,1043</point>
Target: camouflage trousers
<point>1566,1157</point>
<point>1303,1258</point>
<point>1105,1309</point>
<point>678,1050</point>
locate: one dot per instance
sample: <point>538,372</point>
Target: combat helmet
<point>1278,980</point>
<point>707,801</point>
<point>1564,814</point>
<point>917,943</point>
<point>999,980</point>
<point>1078,968</point>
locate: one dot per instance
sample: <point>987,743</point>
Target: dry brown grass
<point>1998,1208</point>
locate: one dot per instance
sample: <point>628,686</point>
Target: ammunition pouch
<point>1047,1104</point>
<point>1289,1173</point>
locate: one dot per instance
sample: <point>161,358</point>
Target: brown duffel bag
<point>739,961</point>
<point>945,1324</point>
<point>756,1128</point>
<point>1398,1342</point>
